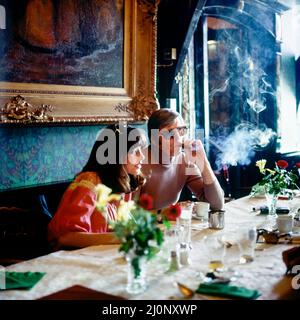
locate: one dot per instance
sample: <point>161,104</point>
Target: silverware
<point>186,291</point>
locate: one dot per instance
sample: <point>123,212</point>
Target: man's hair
<point>161,118</point>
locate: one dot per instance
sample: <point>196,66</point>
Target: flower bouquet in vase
<point>276,182</point>
<point>140,239</point>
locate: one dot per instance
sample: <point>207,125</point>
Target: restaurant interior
<point>229,68</point>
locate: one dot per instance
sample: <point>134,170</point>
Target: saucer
<point>198,218</point>
<point>296,230</point>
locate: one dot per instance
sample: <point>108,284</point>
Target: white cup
<point>285,223</point>
<point>186,209</point>
<point>201,210</point>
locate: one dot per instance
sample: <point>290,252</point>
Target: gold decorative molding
<point>18,109</point>
<point>65,121</point>
<point>178,78</point>
<point>92,105</point>
<point>149,6</point>
<point>121,107</point>
<point>185,91</point>
<point>142,106</point>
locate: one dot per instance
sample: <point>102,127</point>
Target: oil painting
<point>68,42</point>
<point>88,61</point>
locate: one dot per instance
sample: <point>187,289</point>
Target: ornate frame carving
<point>92,105</point>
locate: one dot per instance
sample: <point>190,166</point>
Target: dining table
<point>102,268</point>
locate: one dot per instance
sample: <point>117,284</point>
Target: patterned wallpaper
<point>31,156</point>
<point>37,155</point>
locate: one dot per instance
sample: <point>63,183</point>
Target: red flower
<point>146,201</point>
<point>297,165</point>
<point>172,212</point>
<point>282,164</point>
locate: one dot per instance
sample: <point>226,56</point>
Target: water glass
<point>171,238</point>
<point>184,222</point>
<point>246,244</point>
<point>216,219</point>
<point>285,223</point>
<point>215,248</point>
<point>294,205</point>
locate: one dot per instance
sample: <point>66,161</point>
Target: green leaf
<point>139,234</point>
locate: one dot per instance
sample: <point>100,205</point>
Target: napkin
<point>225,290</point>
<point>21,280</point>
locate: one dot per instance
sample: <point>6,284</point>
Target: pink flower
<point>282,164</point>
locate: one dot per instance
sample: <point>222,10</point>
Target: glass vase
<point>136,273</point>
<point>272,204</point>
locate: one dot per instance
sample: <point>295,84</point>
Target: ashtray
<point>273,237</point>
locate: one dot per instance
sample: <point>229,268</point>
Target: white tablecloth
<point>104,269</point>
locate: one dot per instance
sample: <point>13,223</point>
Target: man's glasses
<point>182,131</point>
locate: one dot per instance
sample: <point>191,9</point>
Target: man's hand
<point>195,153</point>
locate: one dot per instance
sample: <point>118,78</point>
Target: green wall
<point>31,156</point>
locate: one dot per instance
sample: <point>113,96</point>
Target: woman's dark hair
<point>109,154</point>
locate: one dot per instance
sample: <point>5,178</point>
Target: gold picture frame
<point>134,102</point>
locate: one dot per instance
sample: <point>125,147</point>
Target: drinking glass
<point>285,223</point>
<point>246,244</point>
<point>171,238</point>
<point>231,257</point>
<point>215,248</point>
<point>294,205</point>
<point>184,222</point>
